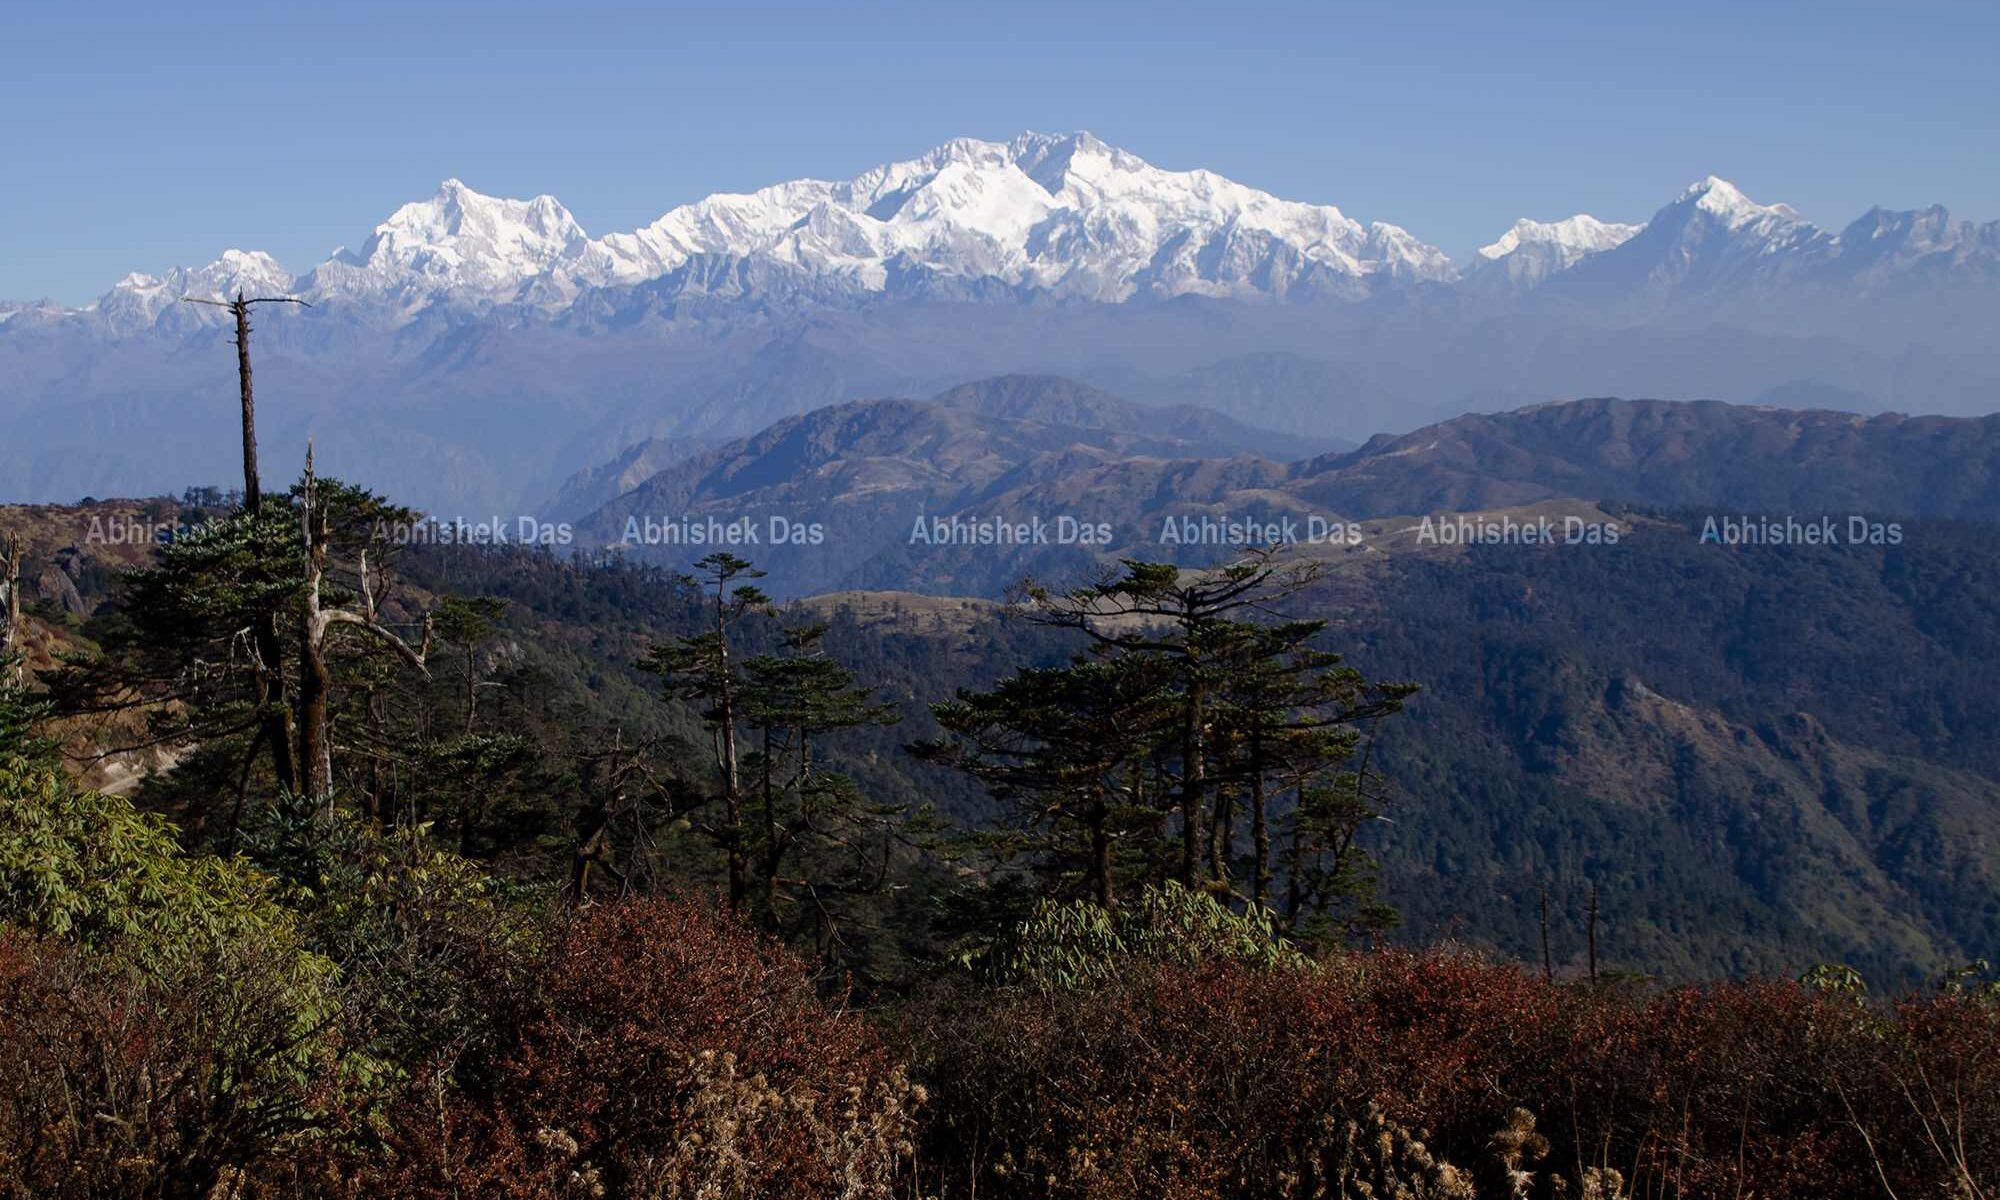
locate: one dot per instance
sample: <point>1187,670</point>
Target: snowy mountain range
<point>1065,216</point>
<point>473,350</point>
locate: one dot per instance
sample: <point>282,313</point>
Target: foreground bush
<point>660,1050</point>
<point>1439,1075</point>
<point>163,1026</point>
<point>118,1081</point>
<point>169,1029</point>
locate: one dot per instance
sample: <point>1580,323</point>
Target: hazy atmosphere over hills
<point>472,353</point>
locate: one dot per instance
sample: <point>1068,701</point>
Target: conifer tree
<point>187,650</point>
<point>467,623</point>
<point>1192,620</point>
<point>1197,700</point>
<point>808,813</point>
<point>182,649</point>
<point>1066,749</point>
<point>702,669</point>
<point>1289,710</point>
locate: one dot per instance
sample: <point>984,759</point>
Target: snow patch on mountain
<point>1926,242</point>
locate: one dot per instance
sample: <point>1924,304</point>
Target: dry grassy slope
<point>911,612</point>
<point>1672,454</point>
<point>1382,539</point>
<point>63,542</point>
<point>867,471</point>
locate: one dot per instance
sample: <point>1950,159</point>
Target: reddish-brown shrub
<point>661,1049</point>
<point>1775,1089</point>
<point>116,1083</point>
<point>1379,1069</point>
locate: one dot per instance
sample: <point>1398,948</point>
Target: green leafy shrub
<point>91,870</point>
<point>421,935</point>
<point>162,1023</point>
<point>1080,944</point>
<point>21,714</point>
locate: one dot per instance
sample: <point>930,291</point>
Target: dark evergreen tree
<point>1197,700</point>
<point>813,832</point>
<point>1068,750</point>
<point>1289,714</point>
<point>703,669</point>
<point>1191,619</point>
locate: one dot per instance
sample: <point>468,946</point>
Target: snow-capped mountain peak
<point>1712,235</point>
<point>1065,213</point>
<point>1570,238</point>
<point>1061,214</point>
<point>535,229</point>
<point>1531,251</point>
<point>459,241</point>
<point>138,301</point>
<point>1724,201</point>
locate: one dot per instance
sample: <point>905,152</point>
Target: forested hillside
<point>429,870</point>
<point>1737,749</point>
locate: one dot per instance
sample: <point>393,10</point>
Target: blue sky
<point>138,137</point>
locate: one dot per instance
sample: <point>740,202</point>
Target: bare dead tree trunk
<point>1100,855</point>
<point>377,805</point>
<point>1295,858</point>
<point>471,689</point>
<point>1157,870</point>
<point>1193,780</point>
<point>269,669</point>
<point>11,553</point>
<point>252,492</point>
<point>732,784</point>
<point>593,846</point>
<point>1548,961</point>
<point>271,691</point>
<point>1260,827</point>
<point>1222,834</point>
<point>315,746</point>
<point>316,622</point>
<point>593,853</point>
<point>239,309</point>
<point>315,682</point>
<point>1593,932</point>
<point>773,847</point>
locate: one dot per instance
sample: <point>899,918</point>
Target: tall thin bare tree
<point>272,693</point>
<point>239,309</point>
